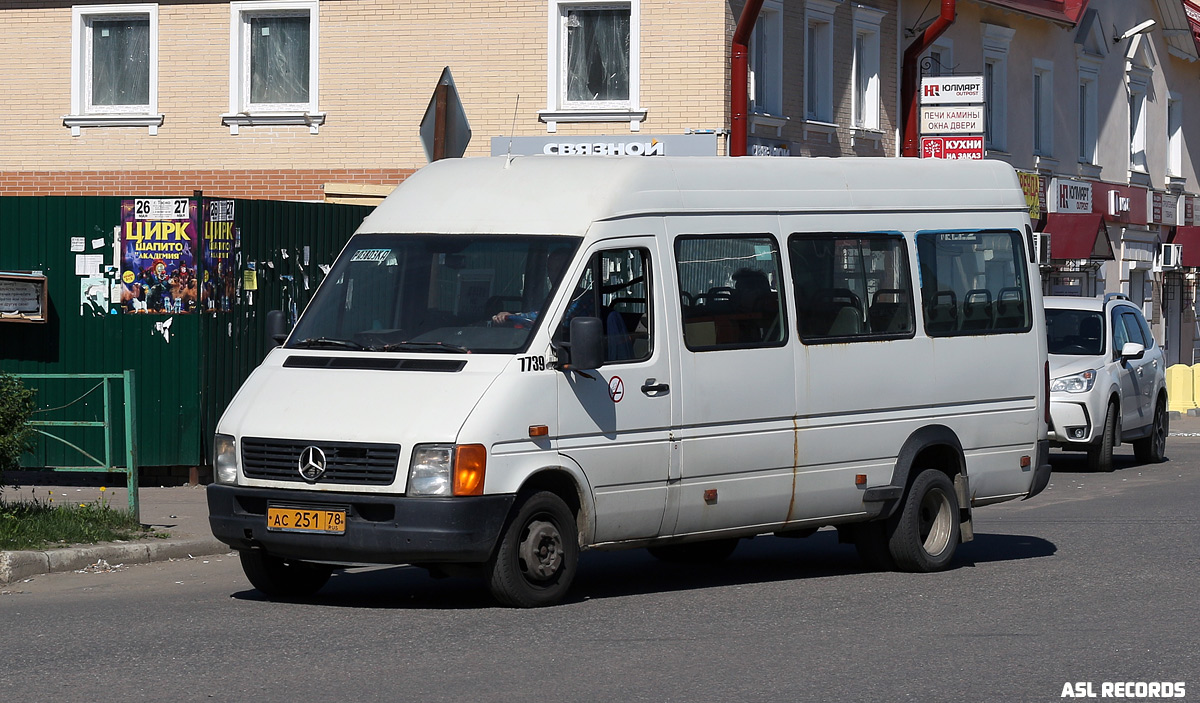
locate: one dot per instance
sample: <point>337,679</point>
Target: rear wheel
<point>1100,454</point>
<point>925,533</point>
<point>708,552</point>
<point>538,553</point>
<point>1152,449</point>
<point>283,578</point>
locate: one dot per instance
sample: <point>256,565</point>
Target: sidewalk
<point>181,512</point>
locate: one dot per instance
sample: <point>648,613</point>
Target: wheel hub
<point>935,523</point>
<point>541,550</point>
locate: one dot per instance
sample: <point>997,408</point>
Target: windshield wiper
<point>328,342</point>
<point>423,346</point>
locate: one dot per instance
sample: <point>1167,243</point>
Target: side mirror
<point>587,344</point>
<point>277,331</point>
<point>1132,350</point>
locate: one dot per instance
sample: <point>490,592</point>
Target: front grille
<point>345,462</point>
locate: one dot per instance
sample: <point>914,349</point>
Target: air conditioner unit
<point>1169,256</point>
<point>1041,247</point>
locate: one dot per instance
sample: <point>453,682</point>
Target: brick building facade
<point>191,119</point>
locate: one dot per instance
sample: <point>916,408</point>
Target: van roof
<point>566,194</point>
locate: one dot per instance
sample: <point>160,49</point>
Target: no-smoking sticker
<point>616,389</point>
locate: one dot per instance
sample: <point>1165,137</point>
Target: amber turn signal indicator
<point>538,430</point>
<point>1025,462</point>
<point>860,479</point>
<point>470,465</point>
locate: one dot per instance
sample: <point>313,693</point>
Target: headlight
<point>447,469</point>
<point>1078,383</point>
<point>224,459</point>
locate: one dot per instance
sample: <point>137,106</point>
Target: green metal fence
<point>78,414</point>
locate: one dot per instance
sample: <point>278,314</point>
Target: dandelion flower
<point>82,505</point>
<point>103,489</point>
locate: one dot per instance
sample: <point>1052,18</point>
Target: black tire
<point>1152,449</point>
<point>707,552</point>
<point>924,535</point>
<point>281,578</point>
<point>538,553</point>
<point>1100,454</point>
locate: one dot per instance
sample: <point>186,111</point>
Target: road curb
<point>23,564</point>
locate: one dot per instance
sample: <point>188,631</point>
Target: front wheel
<point>279,578</point>
<point>1152,449</point>
<point>538,553</point>
<point>1100,454</point>
<point>925,534</point>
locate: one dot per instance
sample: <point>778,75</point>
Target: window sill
<point>553,117</point>
<point>1138,177</point>
<point>1176,183</point>
<point>866,136</point>
<point>76,122</point>
<point>1088,170</point>
<point>1045,163</point>
<point>313,120</point>
<point>820,129</point>
<point>761,124</point>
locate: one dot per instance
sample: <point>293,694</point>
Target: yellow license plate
<point>286,519</point>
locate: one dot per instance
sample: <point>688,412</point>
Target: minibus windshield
<point>435,293</point>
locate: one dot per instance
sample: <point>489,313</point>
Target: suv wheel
<point>1152,449</point>
<point>1100,454</point>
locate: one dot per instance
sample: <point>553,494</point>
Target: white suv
<point>1108,379</point>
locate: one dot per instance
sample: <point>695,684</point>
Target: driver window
<point>621,301</point>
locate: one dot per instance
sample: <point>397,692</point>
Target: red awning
<point>1189,237</point>
<point>1065,11</point>
<point>1193,17</point>
<point>1078,236</point>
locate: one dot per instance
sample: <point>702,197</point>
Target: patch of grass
<point>36,524</point>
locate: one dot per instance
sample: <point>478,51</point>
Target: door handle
<point>653,387</point>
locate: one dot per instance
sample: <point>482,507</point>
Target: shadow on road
<point>634,572</point>
<point>1076,462</point>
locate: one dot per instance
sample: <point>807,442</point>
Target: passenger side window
<point>973,283</point>
<point>621,301</point>
<point>851,286</point>
<point>729,289</point>
<point>1127,328</point>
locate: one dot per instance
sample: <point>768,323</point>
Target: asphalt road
<point>1094,581</point>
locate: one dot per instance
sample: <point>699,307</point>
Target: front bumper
<point>1071,424</point>
<point>380,529</point>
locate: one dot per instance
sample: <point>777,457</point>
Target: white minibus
<point>515,359</point>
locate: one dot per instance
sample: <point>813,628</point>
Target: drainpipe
<point>739,77</point>
<point>910,71</point>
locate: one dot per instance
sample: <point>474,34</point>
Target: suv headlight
<point>224,459</point>
<point>1077,383</point>
<point>447,469</point>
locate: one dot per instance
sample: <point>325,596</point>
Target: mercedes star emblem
<point>312,463</point>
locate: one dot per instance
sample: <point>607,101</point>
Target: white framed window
<point>273,59</point>
<point>996,40</point>
<point>940,58</point>
<point>114,67</point>
<point>766,60</point>
<point>593,63</point>
<point>866,94</point>
<point>1091,46</point>
<point>1043,107</point>
<point>818,61</point>
<point>1088,111</point>
<point>1175,135</point>
<point>1137,83</point>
